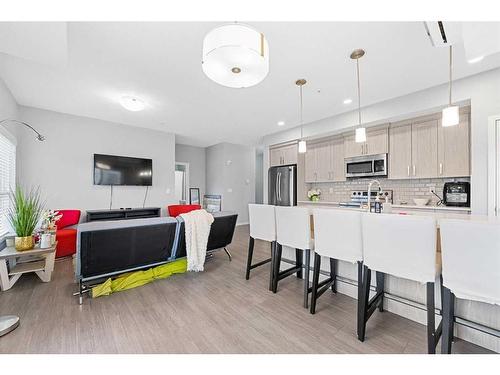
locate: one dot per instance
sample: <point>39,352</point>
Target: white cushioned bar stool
<point>337,236</point>
<point>293,229</point>
<point>262,227</point>
<point>471,267</point>
<point>405,247</point>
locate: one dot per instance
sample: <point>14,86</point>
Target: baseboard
<point>244,223</point>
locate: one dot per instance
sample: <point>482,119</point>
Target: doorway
<point>181,182</point>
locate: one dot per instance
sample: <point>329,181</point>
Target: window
<point>7,180</point>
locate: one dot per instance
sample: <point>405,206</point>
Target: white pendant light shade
<point>360,135</point>
<point>235,55</point>
<point>450,116</point>
<point>302,147</point>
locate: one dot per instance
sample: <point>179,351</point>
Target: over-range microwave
<point>366,166</point>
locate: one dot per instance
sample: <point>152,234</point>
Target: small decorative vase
<point>315,198</point>
<point>24,243</point>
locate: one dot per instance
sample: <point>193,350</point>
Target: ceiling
<point>161,64</point>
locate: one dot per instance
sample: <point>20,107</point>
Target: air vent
<point>443,34</point>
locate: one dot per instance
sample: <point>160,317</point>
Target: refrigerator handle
<point>278,180</point>
<point>291,184</point>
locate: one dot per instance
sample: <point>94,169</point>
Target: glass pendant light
<point>450,113</point>
<point>360,130</point>
<point>302,143</point>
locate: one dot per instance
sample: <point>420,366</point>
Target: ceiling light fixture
<point>348,101</point>
<point>360,130</point>
<point>475,59</point>
<point>281,123</point>
<point>235,55</point>
<point>450,114</point>
<point>132,103</point>
<point>302,144</point>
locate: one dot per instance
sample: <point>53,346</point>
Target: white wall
<point>62,165</point>
<point>231,173</point>
<point>196,157</point>
<point>481,90</point>
<point>259,175</point>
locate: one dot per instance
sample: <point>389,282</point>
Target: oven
<point>366,166</point>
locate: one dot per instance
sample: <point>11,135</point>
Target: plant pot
<point>315,198</point>
<point>24,243</point>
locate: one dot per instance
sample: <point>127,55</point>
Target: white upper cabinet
<point>283,155</point>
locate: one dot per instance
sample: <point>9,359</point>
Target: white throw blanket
<point>197,228</point>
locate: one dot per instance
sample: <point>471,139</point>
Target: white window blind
<point>7,180</point>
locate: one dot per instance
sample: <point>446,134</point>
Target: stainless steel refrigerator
<point>283,185</point>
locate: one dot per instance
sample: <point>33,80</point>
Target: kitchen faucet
<point>370,191</point>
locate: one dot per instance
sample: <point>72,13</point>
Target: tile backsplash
<point>403,190</point>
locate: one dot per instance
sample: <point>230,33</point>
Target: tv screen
<point>122,170</point>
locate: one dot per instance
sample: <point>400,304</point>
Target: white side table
<point>19,261</point>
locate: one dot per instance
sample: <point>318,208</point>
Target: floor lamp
<point>8,323</point>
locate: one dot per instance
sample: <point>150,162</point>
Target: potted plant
<point>314,194</point>
<point>24,215</point>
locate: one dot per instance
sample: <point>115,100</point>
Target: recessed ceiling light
<point>475,59</point>
<point>132,103</point>
<point>348,101</point>
<point>281,123</point>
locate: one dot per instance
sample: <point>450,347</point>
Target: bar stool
<point>293,229</point>
<point>337,235</point>
<point>471,262</point>
<point>402,246</point>
<point>262,227</point>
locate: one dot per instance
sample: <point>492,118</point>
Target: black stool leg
<point>431,320</point>
<point>363,304</point>
<point>380,288</point>
<point>271,269</point>
<point>250,256</point>
<point>360,282</point>
<point>333,273</point>
<point>277,261</point>
<point>307,254</point>
<point>315,281</point>
<point>298,262</point>
<point>448,318</point>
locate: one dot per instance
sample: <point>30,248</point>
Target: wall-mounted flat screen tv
<point>122,170</point>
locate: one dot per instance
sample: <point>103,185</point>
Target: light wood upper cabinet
<point>424,149</point>
<point>376,143</point>
<point>400,164</point>
<point>283,155</point>
<point>454,149</point>
<point>337,160</point>
<point>324,162</point>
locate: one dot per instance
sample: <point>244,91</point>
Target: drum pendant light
<point>450,114</point>
<point>235,55</point>
<point>360,130</point>
<point>302,143</point>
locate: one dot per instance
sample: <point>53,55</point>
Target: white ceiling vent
<point>443,34</point>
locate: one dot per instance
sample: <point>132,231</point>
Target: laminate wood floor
<point>216,311</point>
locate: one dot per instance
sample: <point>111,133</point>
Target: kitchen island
<point>407,297</point>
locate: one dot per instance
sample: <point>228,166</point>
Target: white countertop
<point>441,214</point>
<point>398,206</point>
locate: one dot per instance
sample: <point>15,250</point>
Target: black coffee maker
<point>456,194</point>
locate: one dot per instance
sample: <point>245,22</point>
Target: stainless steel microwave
<point>366,166</point>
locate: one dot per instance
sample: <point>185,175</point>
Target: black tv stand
<point>123,214</point>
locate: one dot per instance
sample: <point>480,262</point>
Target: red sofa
<point>66,237</point>
<point>177,209</point>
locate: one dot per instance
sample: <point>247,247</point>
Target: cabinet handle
<point>408,171</point>
<point>366,148</point>
<point>414,169</point>
<point>440,168</point>
<point>362,150</point>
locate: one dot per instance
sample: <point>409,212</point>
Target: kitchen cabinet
<point>283,155</point>
<point>454,149</point>
<point>324,162</point>
<point>400,162</point>
<point>424,137</point>
<point>376,143</point>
